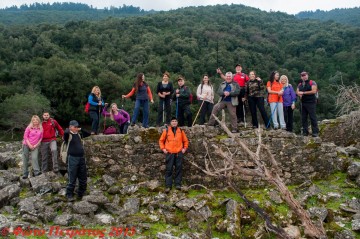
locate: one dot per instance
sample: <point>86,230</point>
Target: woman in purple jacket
<point>289,98</point>
<point>121,117</point>
<point>32,140</point>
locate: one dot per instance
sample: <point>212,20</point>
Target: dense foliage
<point>349,16</point>
<point>61,13</point>
<point>63,62</point>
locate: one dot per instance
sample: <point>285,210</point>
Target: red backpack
<point>87,107</point>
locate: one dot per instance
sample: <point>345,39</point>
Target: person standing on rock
<point>174,143</point>
<point>50,128</point>
<point>76,160</point>
<point>32,140</point>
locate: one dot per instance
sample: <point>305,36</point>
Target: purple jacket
<point>121,118</point>
<point>289,95</point>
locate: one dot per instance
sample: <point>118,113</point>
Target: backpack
<point>64,149</point>
<point>87,107</point>
<point>317,90</point>
<point>191,97</point>
<point>53,125</point>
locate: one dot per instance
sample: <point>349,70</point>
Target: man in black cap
<point>76,161</point>
<point>307,91</point>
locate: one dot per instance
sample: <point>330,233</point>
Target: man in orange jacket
<point>174,143</point>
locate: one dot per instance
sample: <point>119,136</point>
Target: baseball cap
<point>74,123</point>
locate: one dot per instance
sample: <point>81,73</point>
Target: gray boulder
<point>84,207</point>
<point>8,193</point>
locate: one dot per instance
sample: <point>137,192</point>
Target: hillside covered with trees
<point>57,65</point>
<point>61,13</point>
<point>348,16</point>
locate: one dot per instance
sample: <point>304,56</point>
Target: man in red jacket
<point>50,128</point>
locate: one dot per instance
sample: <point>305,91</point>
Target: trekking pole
<point>198,113</point>
<point>244,114</point>
<point>177,106</point>
<point>99,115</point>
<point>164,110</point>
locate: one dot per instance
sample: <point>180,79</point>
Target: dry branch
<point>272,177</point>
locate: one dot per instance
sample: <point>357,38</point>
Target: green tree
<point>18,109</point>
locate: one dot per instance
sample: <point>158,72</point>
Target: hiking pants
<point>259,103</point>
<point>289,118</point>
<point>164,105</point>
<point>206,110</point>
<point>231,109</point>
<point>277,111</point>
<point>123,129</point>
<point>171,161</point>
<point>44,149</point>
<point>184,109</point>
<point>95,117</point>
<point>240,107</point>
<point>34,160</point>
<point>76,170</point>
<point>145,105</point>
<point>309,109</point>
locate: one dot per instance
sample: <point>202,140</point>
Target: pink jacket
<point>34,135</point>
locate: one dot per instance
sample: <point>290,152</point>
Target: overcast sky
<point>289,6</point>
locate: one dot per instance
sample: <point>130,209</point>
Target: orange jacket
<point>173,143</point>
<point>275,86</point>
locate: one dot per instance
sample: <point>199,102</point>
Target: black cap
<point>74,123</point>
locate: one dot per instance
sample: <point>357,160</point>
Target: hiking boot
<point>305,134</point>
<point>25,176</point>
<point>167,190</point>
<point>70,199</point>
<point>315,135</point>
<point>234,131</point>
<point>178,188</point>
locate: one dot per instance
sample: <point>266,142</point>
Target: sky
<point>288,6</point>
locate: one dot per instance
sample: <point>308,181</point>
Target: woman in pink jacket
<point>32,139</point>
<point>121,117</point>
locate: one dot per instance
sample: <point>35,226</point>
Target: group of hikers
<point>233,92</point>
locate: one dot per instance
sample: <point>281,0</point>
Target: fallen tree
<point>267,169</point>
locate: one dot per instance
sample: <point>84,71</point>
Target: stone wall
<point>138,155</point>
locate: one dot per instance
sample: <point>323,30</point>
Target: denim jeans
<point>277,110</point>
<point>95,117</point>
<point>44,149</point>
<point>145,105</point>
<point>34,160</point>
<point>76,170</point>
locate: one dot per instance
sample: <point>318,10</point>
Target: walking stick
<point>244,114</point>
<point>177,106</point>
<point>198,113</point>
<point>164,110</point>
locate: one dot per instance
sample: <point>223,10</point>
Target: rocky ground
<point>37,207</point>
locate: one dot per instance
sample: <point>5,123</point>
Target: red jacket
<point>173,143</point>
<point>49,130</point>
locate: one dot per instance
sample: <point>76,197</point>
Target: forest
<point>349,16</point>
<point>60,13</point>
<point>54,66</point>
